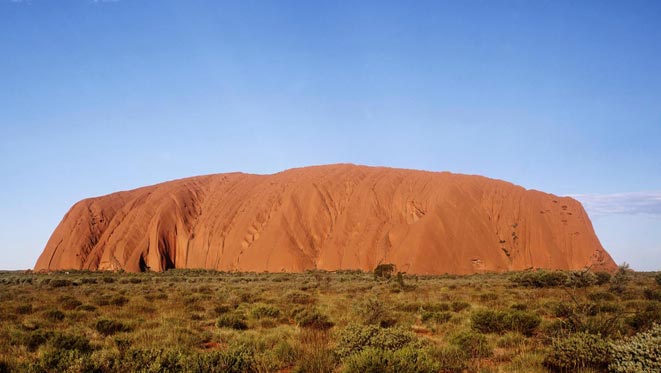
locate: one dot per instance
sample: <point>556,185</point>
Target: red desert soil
<point>327,217</point>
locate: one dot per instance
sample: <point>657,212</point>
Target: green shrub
<point>119,300</point>
<point>473,344</point>
<point>221,309</point>
<point>523,322</point>
<point>598,296</point>
<point>264,310</point>
<point>70,342</point>
<point>658,278</point>
<point>652,294</point>
<point>372,360</point>
<point>68,302</point>
<point>53,315</point>
<point>375,312</point>
<point>59,283</point>
<point>37,338</point>
<point>298,297</point>
<point>313,319</point>
<point>579,351</point>
<point>354,338</point>
<point>488,321</point>
<point>645,316</point>
<point>603,278</point>
<point>451,358</point>
<point>109,327</point>
<point>581,279</point>
<point>459,306</point>
<point>232,321</point>
<point>540,278</point>
<point>640,353</point>
<point>621,279</point>
<point>436,317</point>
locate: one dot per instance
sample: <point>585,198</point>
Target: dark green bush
<point>644,318</point>
<point>603,278</point>
<point>264,310</point>
<point>598,296</point>
<point>222,308</point>
<point>579,351</point>
<point>473,344</point>
<point>70,342</point>
<point>59,283</point>
<point>68,302</point>
<point>109,327</point>
<point>459,306</point>
<point>373,360</point>
<point>523,322</point>
<point>451,358</point>
<point>53,315</point>
<point>657,278</point>
<point>313,319</point>
<point>37,338</point>
<point>298,297</point>
<point>488,321</point>
<point>354,338</point>
<point>119,300</point>
<point>652,294</point>
<point>384,271</point>
<point>540,278</point>
<point>436,317</point>
<point>375,312</point>
<point>232,321</point>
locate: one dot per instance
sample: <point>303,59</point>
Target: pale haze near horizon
<point>101,96</point>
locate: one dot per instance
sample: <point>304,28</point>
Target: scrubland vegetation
<point>348,321</point>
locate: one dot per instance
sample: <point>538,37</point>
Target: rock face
<point>327,217</point>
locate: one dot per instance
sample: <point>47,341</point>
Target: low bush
<point>24,309</point>
<point>312,318</point>
<point>59,283</point>
<point>264,310</point>
<point>473,344</point>
<point>298,297</point>
<point>540,278</point>
<point>657,278</point>
<point>490,321</point>
<point>579,351</point>
<point>355,338</point>
<point>459,306</point>
<point>403,360</point>
<point>109,327</point>
<point>68,302</point>
<point>640,353</point>
<point>70,342</point>
<point>232,321</point>
<point>451,358</point>
<point>53,315</point>
<point>436,317</point>
<point>603,277</point>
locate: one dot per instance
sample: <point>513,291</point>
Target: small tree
<point>384,271</point>
<point>621,278</point>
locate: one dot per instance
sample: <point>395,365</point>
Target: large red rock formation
<point>327,217</point>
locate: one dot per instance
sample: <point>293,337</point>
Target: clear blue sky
<point>560,96</point>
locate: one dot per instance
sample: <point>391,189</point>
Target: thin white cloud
<point>634,203</point>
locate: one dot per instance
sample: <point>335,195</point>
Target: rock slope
<point>327,217</point>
